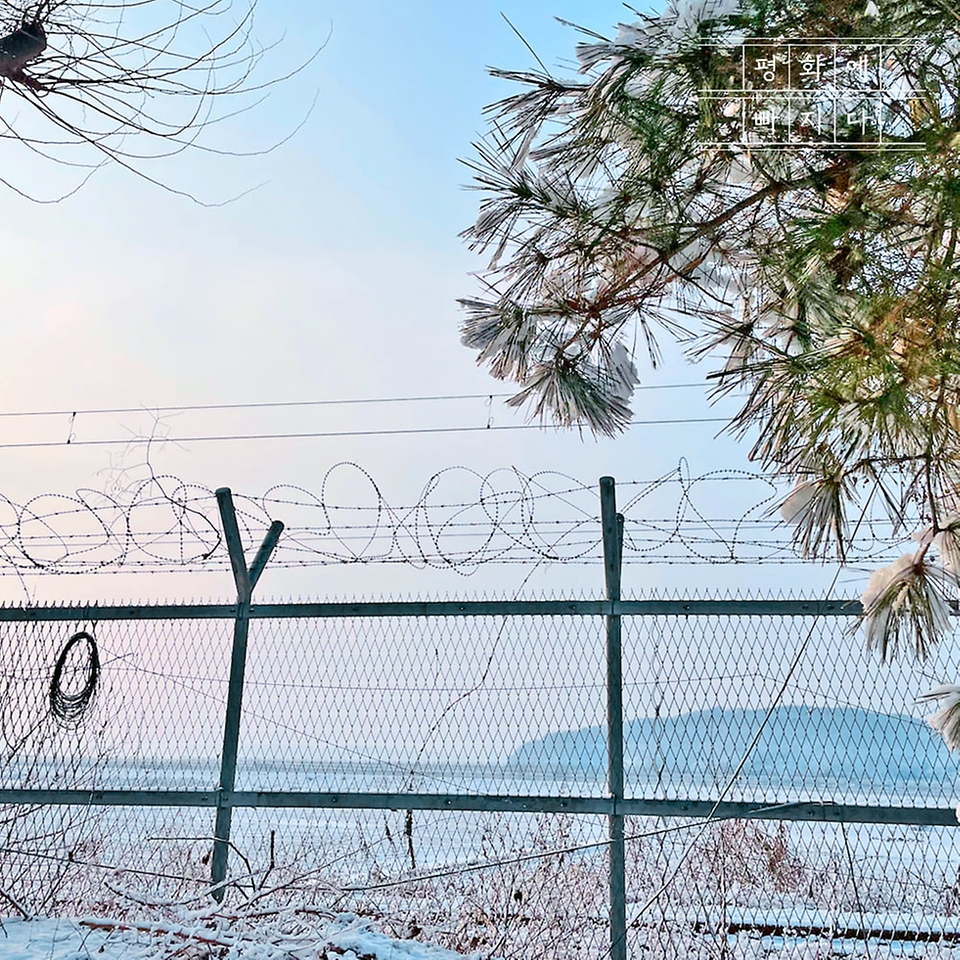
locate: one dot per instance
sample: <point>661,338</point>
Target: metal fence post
<point>612,556</point>
<point>245,581</point>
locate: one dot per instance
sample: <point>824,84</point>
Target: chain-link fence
<point>523,778</point>
<point>444,766</point>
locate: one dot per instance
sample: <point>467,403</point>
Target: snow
<point>624,372</point>
<point>793,508</point>
<point>350,938</point>
<point>881,580</point>
<point>345,936</point>
<point>666,34</point>
<point>946,721</point>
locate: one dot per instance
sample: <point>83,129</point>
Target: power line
<point>406,431</point>
<point>296,403</point>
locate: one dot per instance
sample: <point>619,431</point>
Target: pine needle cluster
<point>819,280</point>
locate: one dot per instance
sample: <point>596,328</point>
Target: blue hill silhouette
<point>809,747</point>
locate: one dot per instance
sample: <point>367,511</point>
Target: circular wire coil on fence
<point>69,709</point>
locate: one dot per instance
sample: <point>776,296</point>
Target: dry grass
<point>537,903</point>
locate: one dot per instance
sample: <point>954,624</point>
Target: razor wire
<point>460,520</point>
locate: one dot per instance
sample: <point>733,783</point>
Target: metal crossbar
<point>438,608</point>
<point>490,803</point>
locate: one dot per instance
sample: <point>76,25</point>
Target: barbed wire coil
<point>70,708</point>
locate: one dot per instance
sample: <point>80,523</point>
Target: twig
<point>16,904</point>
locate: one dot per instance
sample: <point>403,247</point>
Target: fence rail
<point>436,608</point>
<point>608,671</point>
<point>490,803</point>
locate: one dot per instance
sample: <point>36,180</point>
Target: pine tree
<point>818,277</point>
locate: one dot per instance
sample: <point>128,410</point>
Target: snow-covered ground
<point>345,937</point>
<point>511,887</point>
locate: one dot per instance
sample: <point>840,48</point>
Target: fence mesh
<point>743,888</point>
<point>440,704</point>
<point>497,706</point>
<point>844,728</point>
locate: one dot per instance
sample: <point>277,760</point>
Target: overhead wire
<point>332,434</point>
<point>158,412</point>
<point>261,405</point>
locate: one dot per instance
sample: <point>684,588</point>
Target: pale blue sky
<point>335,279</point>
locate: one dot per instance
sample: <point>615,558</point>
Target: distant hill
<point>826,747</point>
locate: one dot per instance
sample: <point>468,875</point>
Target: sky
<point>334,277</point>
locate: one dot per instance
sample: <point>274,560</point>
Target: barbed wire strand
<point>162,522</point>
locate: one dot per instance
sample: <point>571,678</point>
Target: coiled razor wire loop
<point>460,520</point>
<point>69,709</point>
